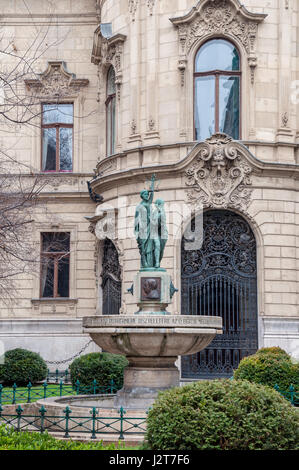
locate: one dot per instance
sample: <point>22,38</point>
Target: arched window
<point>217,84</point>
<point>111,280</point>
<point>110,111</point>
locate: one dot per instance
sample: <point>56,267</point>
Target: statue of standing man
<point>150,228</point>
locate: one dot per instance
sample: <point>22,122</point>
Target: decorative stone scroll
<point>220,175</point>
<point>218,17</point>
<point>56,82</point>
<point>107,52</point>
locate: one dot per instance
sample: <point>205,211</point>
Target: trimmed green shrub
<point>222,415</point>
<point>12,440</point>
<point>270,366</point>
<point>102,367</point>
<point>21,367</point>
<point>276,351</point>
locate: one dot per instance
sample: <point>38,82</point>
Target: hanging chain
<point>73,357</point>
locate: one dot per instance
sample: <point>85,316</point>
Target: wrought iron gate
<point>111,283</point>
<point>220,279</point>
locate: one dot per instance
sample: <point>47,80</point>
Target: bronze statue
<point>150,228</point>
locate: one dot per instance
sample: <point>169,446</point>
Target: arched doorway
<point>111,280</point>
<point>221,279</point>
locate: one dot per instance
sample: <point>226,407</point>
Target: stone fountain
<point>151,339</point>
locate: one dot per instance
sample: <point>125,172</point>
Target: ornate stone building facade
<point>204,95</point>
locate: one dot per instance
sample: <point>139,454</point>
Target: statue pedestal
<point>153,292</point>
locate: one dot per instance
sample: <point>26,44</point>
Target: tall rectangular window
<point>55,264</point>
<point>57,137</point>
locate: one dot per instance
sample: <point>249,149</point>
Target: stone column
<point>135,59</point>
<point>284,132</point>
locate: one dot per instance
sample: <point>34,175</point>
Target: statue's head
<point>145,195</point>
<point>159,203</point>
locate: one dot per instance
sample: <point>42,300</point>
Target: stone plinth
<point>152,288</point>
<point>151,345</point>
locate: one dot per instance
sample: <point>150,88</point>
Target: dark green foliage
<point>222,415</point>
<point>12,440</point>
<point>21,367</point>
<point>102,367</point>
<point>269,366</point>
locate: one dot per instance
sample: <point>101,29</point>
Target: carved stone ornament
<point>107,52</point>
<point>56,82</point>
<point>133,4</point>
<point>220,175</point>
<point>227,18</point>
<point>150,5</point>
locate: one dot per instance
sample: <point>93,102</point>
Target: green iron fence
<point>29,394</point>
<point>291,395</point>
<point>68,425</point>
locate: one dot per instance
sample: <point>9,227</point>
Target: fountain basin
<point>152,345</point>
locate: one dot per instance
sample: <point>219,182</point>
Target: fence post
<point>29,386</point>
<point>42,418</point>
<point>45,385</point>
<point>67,412</point>
<point>292,394</point>
<point>14,389</point>
<point>94,387</point>
<point>112,386</point>
<point>276,388</point>
<point>1,387</point>
<point>66,376</point>
<point>56,376</point>
<point>77,387</point>
<point>94,416</point>
<point>60,388</point>
<point>122,413</point>
<point>19,411</point>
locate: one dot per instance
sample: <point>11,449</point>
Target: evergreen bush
<point>222,415</point>
<point>102,367</point>
<point>269,366</point>
<point>21,367</point>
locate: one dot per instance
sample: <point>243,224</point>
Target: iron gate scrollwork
<point>221,279</point>
<point>111,282</point>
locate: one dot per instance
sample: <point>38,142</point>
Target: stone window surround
<point>72,229</point>
<point>190,42</point>
<point>45,88</point>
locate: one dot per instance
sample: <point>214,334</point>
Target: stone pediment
<point>56,82</point>
<point>226,18</point>
<point>219,175</point>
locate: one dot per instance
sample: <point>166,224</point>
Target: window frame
<point>57,126</point>
<point>217,73</point>
<point>110,98</point>
<point>56,255</point>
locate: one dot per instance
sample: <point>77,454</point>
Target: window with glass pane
<point>55,264</point>
<point>110,111</point>
<point>217,82</point>
<point>57,137</point>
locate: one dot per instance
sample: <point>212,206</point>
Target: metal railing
<point>291,395</point>
<point>68,425</point>
<point>30,393</point>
